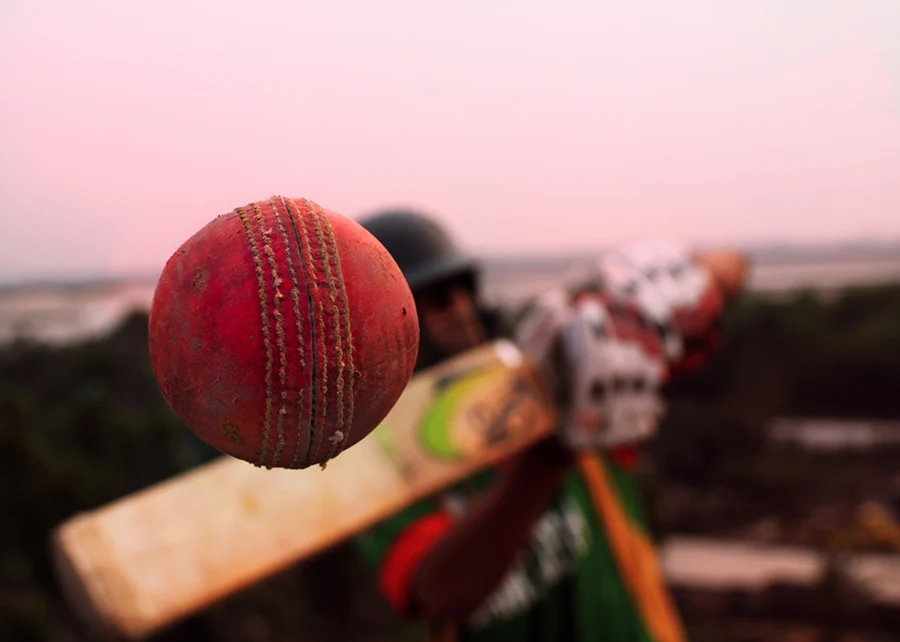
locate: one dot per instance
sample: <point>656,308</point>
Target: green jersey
<point>567,583</point>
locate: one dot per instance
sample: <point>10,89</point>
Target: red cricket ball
<point>282,333</point>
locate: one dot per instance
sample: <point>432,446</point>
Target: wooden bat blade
<point>149,559</point>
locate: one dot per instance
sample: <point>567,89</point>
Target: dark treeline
<point>804,357</point>
<point>85,424</point>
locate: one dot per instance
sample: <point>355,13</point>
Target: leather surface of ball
<point>282,333</point>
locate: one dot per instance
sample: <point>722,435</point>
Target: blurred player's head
<point>443,280</point>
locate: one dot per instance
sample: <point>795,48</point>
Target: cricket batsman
<point>552,544</point>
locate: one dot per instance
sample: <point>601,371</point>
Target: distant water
<point>514,283</point>
<point>59,315</point>
<point>62,315</point>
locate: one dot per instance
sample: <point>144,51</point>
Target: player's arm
<point>451,565</point>
<point>470,559</point>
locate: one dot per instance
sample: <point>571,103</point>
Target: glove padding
<point>669,290</point>
<point>614,385</point>
<point>604,367</point>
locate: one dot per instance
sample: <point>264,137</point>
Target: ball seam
<point>343,338</point>
<point>261,291</point>
<point>315,327</point>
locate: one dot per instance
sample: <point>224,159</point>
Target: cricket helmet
<point>424,249</point>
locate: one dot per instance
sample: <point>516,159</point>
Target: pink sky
<point>126,126</point>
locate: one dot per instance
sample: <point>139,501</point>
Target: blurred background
<point>541,133</point>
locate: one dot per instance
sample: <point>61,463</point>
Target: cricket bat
<point>142,563</point>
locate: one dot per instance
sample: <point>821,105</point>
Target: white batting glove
<point>606,384</point>
<point>663,282</point>
<point>613,382</point>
